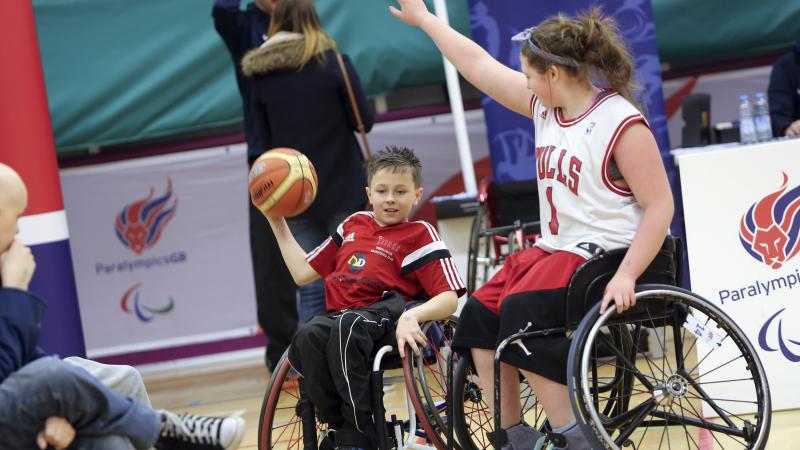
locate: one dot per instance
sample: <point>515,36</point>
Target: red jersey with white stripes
<point>362,260</point>
<point>581,206</point>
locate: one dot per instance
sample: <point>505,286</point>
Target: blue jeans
<point>309,233</point>
<point>50,387</point>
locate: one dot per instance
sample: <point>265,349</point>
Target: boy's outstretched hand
<point>411,12</point>
<point>409,332</point>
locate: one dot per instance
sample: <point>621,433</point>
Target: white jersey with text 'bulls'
<point>582,208</point>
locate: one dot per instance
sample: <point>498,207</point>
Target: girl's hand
<point>411,12</point>
<point>620,291</point>
<point>409,332</point>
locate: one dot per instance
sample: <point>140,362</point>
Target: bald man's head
<point>13,201</point>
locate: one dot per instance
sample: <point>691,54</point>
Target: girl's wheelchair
<point>672,372</point>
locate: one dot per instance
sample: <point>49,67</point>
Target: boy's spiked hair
<point>396,158</point>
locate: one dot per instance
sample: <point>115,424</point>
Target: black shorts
<point>478,327</point>
<point>528,293</point>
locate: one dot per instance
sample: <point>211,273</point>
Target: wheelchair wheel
<point>280,424</point>
<point>479,252</point>
<point>427,379</point>
<point>700,384</point>
<point>472,419</point>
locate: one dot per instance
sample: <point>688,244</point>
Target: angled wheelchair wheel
<point>281,424</point>
<point>427,379</point>
<point>472,418</point>
<point>699,385</point>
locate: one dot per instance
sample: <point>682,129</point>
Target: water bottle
<point>763,122</point>
<point>747,126</point>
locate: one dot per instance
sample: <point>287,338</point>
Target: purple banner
<point>53,281</point>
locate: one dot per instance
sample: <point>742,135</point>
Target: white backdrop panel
<point>727,265</point>
<point>161,250</point>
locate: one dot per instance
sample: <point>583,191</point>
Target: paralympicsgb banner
<point>742,212</point>
<point>510,134</point>
<point>161,252</point>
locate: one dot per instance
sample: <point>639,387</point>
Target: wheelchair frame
<point>500,231</point>
<point>419,423</point>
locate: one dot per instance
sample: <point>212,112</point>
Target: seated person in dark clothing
<point>784,94</point>
<point>46,401</point>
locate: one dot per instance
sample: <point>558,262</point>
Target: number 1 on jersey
<point>553,213</point>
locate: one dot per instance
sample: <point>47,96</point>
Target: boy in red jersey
<point>372,265</point>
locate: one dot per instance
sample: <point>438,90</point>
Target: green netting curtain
<point>121,71</point>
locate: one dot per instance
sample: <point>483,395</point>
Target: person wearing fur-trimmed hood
<point>300,100</point>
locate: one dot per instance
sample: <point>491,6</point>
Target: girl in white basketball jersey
<point>602,185</point>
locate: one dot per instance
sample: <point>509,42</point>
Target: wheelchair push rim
<point>431,375</point>
<point>679,399</point>
<point>280,426</point>
<point>427,379</point>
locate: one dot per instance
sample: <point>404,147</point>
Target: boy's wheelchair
<point>507,220</point>
<point>698,384</point>
<point>288,420</point>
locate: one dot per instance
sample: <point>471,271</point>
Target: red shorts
<point>528,293</point>
<point>530,270</point>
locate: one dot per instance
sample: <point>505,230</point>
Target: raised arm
<point>230,23</point>
<point>293,254</point>
<point>505,85</point>
<point>639,161</point>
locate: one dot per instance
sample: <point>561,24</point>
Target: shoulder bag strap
<point>356,112</point>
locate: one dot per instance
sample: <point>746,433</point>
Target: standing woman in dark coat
<point>300,101</point>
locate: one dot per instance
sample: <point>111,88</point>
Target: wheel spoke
<point>699,423</point>
<point>631,366</point>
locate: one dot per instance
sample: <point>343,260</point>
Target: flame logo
<point>770,228</point>
<point>143,312</point>
<point>140,223</point>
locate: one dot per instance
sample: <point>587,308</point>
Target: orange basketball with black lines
<point>283,183</point>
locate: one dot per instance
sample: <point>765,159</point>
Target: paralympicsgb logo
<point>769,230</point>
<point>766,332</point>
<point>139,224</point>
<point>143,312</point>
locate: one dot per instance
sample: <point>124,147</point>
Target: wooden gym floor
<point>240,387</point>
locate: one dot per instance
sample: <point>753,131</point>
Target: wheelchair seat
<point>509,201</point>
<point>588,283</point>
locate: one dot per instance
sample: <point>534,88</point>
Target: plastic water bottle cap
<point>743,97</point>
<point>759,94</point>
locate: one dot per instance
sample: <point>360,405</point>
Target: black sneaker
<point>191,432</point>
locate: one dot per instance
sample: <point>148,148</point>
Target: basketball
<point>282,182</point>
